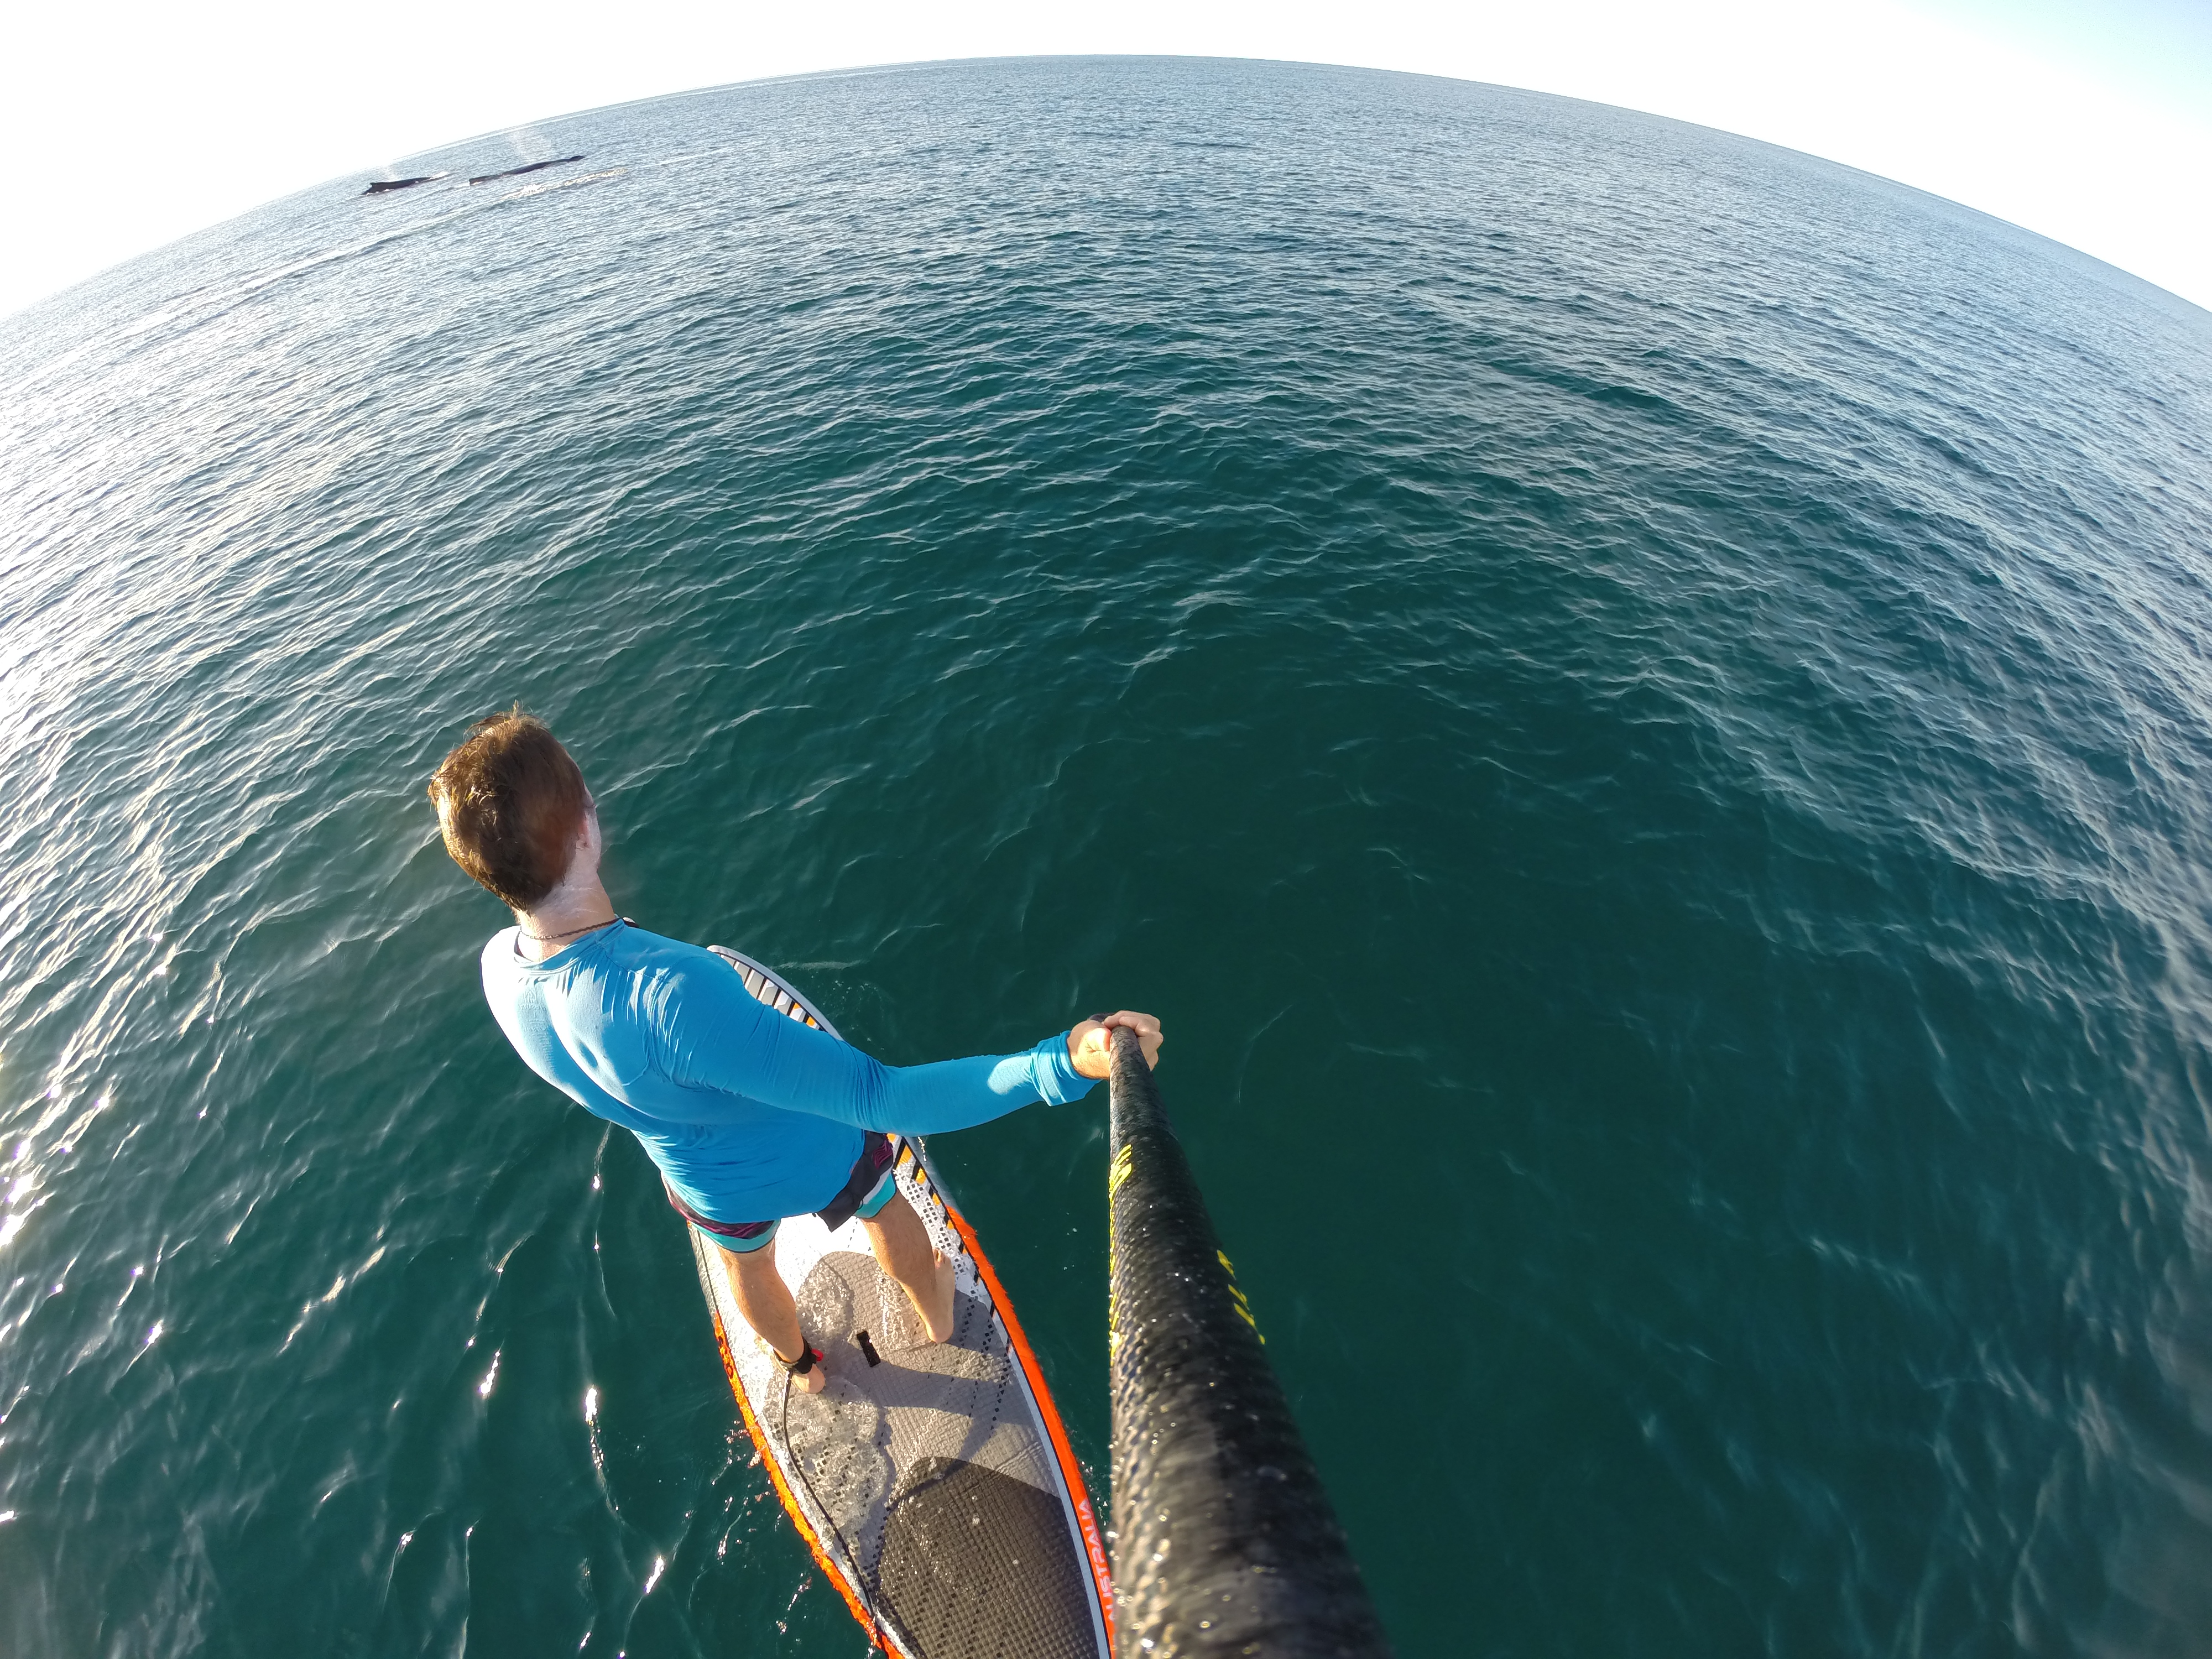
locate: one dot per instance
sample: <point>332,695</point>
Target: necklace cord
<point>547,938</point>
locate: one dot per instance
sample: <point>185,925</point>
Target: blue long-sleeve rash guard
<point>750,1114</point>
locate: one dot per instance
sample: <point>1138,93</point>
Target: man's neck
<point>564,916</point>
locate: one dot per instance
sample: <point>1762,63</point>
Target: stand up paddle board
<point>933,1483</point>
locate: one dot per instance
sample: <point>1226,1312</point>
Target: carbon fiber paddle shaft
<point>1226,1543</point>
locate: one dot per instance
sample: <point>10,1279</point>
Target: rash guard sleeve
<point>710,1034</point>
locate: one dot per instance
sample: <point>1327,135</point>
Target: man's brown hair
<point>511,803</point>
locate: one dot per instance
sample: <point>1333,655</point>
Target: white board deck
<point>935,1486</point>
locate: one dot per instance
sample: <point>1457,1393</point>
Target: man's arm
<point>712,1033</point>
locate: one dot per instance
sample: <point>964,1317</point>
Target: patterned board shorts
<point>870,1187</point>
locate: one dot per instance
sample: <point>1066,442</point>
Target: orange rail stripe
<point>1071,1472</point>
<point>829,1569</point>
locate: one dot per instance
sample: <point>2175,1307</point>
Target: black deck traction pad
<point>979,1567</point>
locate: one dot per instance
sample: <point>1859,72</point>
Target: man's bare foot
<point>937,1316</point>
<point>939,1313</point>
<point>903,1251</point>
<point>813,1380</point>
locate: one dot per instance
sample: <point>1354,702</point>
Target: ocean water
<point>1639,704</point>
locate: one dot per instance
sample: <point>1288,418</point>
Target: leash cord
<point>875,1623</point>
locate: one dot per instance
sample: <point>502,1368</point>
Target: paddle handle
<point>1226,1543</point>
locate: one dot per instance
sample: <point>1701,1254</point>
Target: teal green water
<point>1636,702</point>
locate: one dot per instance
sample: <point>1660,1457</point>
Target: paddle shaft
<point>1225,1543</point>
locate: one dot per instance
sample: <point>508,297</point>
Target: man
<point>750,1115</point>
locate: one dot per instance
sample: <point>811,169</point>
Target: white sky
<point>131,123</point>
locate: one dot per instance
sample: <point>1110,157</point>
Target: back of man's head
<point>511,803</point>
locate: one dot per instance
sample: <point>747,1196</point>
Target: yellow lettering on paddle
<point>1124,1163</point>
<point>1244,1308</point>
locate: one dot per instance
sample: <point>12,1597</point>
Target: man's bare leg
<point>765,1301</point>
<point>903,1250</point>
